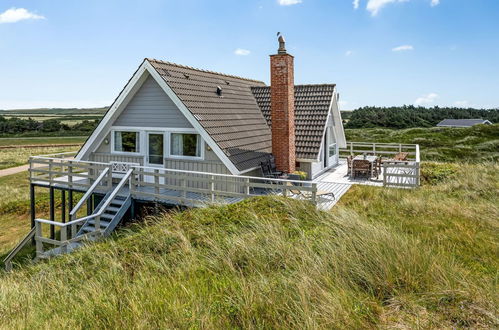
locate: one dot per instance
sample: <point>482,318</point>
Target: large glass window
<point>126,141</point>
<point>188,145</point>
<point>156,143</point>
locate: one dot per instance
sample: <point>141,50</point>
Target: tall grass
<point>382,258</point>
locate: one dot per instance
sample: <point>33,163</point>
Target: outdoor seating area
<point>371,166</point>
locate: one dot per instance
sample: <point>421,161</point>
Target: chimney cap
<point>282,44</point>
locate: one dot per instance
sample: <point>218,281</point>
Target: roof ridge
<point>202,70</point>
<point>301,85</point>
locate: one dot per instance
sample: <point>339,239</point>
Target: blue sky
<point>60,53</point>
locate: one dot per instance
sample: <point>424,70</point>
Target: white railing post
<point>97,222</point>
<point>64,238</point>
<point>184,187</point>
<point>374,149</point>
<point>212,188</point>
<point>247,186</point>
<point>51,161</point>
<point>110,177</point>
<point>38,234</point>
<point>351,148</point>
<point>156,181</point>
<point>314,193</point>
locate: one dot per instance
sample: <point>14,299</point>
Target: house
<point>178,117</point>
<point>182,137</point>
<point>463,122</point>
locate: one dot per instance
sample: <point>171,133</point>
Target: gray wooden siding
<point>108,157</point>
<point>151,107</point>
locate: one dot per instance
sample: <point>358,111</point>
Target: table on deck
<point>371,159</point>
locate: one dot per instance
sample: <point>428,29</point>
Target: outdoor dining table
<point>371,159</point>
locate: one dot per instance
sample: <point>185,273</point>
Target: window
<point>187,145</point>
<point>332,150</point>
<point>126,141</point>
<point>156,143</point>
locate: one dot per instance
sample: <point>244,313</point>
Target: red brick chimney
<point>282,108</point>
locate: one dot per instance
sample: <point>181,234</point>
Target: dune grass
<point>475,144</point>
<point>15,141</point>
<point>381,258</point>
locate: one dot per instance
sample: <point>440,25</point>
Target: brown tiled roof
<point>312,104</point>
<point>233,120</point>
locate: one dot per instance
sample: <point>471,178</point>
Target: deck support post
<point>32,204</point>
<point>52,212</point>
<point>70,200</point>
<point>63,206</point>
<point>132,209</point>
<point>314,193</point>
<point>89,205</point>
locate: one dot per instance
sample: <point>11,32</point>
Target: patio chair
<point>266,171</point>
<point>361,167</point>
<point>401,156</point>
<point>273,167</point>
<point>308,194</point>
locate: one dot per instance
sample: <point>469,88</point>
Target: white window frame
<point>201,141</point>
<point>143,142</point>
<point>129,130</point>
<point>165,148</point>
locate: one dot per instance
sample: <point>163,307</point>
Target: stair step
<point>103,224</point>
<point>113,209</point>
<point>117,202</point>
<point>107,216</point>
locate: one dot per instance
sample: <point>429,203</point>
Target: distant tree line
<point>18,126</point>
<point>410,116</point>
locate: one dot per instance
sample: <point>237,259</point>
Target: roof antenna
<point>282,44</point>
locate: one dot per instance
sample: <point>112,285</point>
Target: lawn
<point>476,144</point>
<point>22,141</point>
<point>20,156</point>
<point>382,258</point>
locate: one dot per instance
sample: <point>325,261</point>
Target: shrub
<point>434,173</point>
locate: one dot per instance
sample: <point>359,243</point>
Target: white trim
<point>190,131</point>
<point>146,154</point>
<point>131,153</point>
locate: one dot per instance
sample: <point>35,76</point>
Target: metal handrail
<point>88,193</point>
<point>8,259</point>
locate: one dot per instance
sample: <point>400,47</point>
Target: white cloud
<point>349,53</point>
<point>374,6</point>
<point>242,52</point>
<point>288,2</point>
<point>402,48</point>
<point>14,15</point>
<point>426,99</point>
<point>435,3</point>
<point>461,104</point>
<point>356,4</point>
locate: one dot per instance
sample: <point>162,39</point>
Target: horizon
<point>379,53</point>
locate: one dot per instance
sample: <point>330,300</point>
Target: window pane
<point>185,145</point>
<point>332,150</point>
<point>126,141</point>
<point>190,145</point>
<point>156,148</point>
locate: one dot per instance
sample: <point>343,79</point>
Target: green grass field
<point>20,156</point>
<point>383,258</point>
<point>18,141</point>
<point>475,144</point>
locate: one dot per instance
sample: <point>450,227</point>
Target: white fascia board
<point>190,117</point>
<point>339,131</point>
<point>303,160</point>
<point>112,110</point>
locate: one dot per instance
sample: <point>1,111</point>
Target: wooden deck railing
<point>396,174</point>
<point>189,188</point>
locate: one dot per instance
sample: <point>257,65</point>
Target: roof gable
<point>312,105</point>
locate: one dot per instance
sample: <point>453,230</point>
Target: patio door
<point>330,149</point>
<point>155,153</point>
